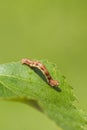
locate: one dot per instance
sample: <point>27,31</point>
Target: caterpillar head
<point>53,83</point>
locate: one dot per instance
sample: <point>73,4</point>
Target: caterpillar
<point>43,69</point>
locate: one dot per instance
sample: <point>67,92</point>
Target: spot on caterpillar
<point>43,69</point>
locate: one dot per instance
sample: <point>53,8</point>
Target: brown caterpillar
<point>43,69</point>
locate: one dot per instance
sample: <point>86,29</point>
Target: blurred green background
<point>51,29</point>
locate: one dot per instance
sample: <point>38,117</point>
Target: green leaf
<point>20,81</point>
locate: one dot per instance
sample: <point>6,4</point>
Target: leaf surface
<point>17,80</point>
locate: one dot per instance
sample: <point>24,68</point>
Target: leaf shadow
<point>31,102</point>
